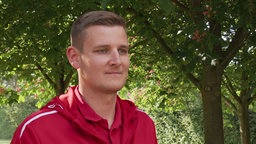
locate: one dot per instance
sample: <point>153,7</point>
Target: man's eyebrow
<point>101,46</point>
<point>107,46</point>
<point>125,46</point>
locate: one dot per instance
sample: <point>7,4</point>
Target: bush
<point>12,115</point>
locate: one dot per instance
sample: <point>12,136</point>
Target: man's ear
<point>73,56</point>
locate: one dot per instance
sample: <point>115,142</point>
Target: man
<point>92,112</point>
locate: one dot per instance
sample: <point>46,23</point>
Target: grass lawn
<point>4,141</point>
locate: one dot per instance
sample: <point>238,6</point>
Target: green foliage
<point>176,108</point>
<point>252,122</point>
<point>170,106</point>
<point>12,115</point>
<point>231,129</point>
<point>178,127</point>
<point>8,96</point>
<point>37,88</point>
<point>240,86</point>
<point>6,129</point>
<point>35,37</point>
<point>16,90</point>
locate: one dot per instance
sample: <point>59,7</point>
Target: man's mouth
<point>114,72</point>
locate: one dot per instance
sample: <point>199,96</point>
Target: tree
<point>202,37</point>
<point>34,37</point>
<point>241,85</point>
<point>170,102</point>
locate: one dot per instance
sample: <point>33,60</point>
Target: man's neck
<point>103,104</point>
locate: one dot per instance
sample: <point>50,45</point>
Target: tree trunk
<point>211,95</point>
<point>60,87</point>
<point>243,116</point>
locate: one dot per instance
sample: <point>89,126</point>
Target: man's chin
<point>113,89</point>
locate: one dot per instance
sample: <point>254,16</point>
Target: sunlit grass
<point>4,141</point>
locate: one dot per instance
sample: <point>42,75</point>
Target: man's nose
<point>115,58</point>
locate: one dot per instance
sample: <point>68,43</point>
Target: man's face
<point>104,61</point>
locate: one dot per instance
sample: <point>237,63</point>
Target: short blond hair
<point>92,18</point>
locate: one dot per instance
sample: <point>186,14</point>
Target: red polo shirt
<point>68,119</point>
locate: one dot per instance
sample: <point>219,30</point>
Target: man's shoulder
<point>143,115</point>
<point>39,117</point>
<point>47,114</point>
<point>133,109</point>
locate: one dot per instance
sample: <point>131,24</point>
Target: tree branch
<point>231,89</point>
<point>44,74</point>
<point>160,40</point>
<point>139,43</point>
<point>196,15</point>
<point>251,99</point>
<point>68,78</point>
<point>230,102</point>
<point>165,46</point>
<point>236,44</point>
<point>180,5</point>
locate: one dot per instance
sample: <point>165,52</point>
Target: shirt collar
<point>89,114</point>
<point>118,115</point>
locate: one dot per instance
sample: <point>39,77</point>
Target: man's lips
<point>113,73</point>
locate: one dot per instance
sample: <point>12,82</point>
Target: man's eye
<point>102,51</point>
<point>123,51</point>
